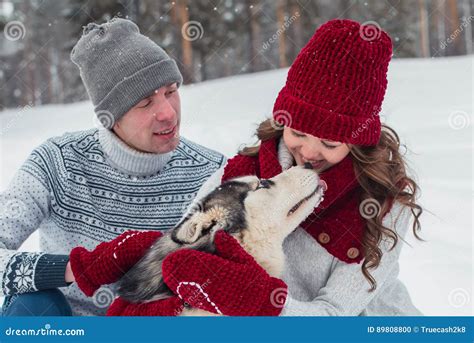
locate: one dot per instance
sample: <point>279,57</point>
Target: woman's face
<point>321,153</point>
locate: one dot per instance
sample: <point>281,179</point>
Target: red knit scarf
<point>336,223</point>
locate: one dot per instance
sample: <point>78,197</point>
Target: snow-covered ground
<point>429,103</point>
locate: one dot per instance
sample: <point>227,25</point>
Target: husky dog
<point>259,213</point>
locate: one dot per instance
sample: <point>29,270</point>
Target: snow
<point>429,102</point>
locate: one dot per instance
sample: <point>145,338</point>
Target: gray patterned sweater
<point>88,187</point>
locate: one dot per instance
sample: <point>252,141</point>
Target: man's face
<point>152,125</point>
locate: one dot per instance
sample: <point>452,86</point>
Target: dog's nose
<point>308,165</point>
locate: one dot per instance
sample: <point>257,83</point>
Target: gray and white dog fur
<point>260,214</point>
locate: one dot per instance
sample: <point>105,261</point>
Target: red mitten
<point>166,307</point>
<point>109,261</point>
<point>229,283</point>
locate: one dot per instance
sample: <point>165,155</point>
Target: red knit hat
<point>335,86</point>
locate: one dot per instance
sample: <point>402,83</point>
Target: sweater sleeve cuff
<point>286,311</point>
<point>50,271</point>
<point>314,308</point>
<point>294,308</point>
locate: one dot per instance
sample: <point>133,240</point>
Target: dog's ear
<point>192,228</point>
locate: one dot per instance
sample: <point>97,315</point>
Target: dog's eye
<point>264,184</point>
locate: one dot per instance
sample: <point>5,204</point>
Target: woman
<point>343,260</point>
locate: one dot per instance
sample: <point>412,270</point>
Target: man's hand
<point>109,261</point>
<point>69,276</point>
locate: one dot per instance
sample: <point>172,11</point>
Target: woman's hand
<point>229,283</point>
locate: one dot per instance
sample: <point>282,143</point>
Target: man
<point>87,187</point>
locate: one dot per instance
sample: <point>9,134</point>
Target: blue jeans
<point>49,302</point>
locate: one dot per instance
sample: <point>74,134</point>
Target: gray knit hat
<point>119,67</point>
